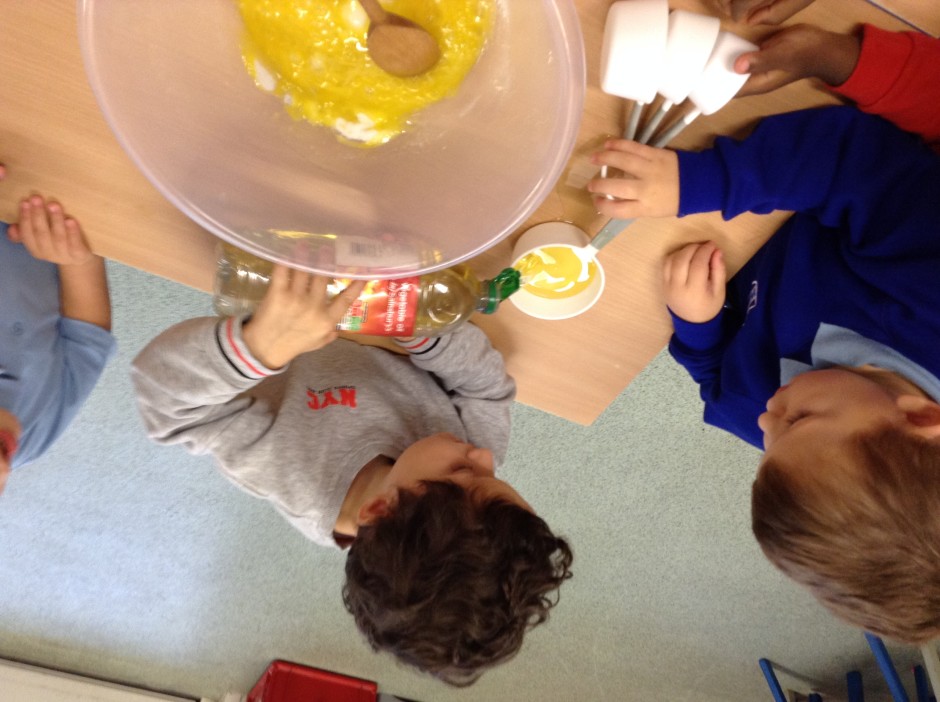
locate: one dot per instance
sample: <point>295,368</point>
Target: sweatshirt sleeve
<point>191,384</point>
<point>474,375</point>
<point>898,77</point>
<point>700,347</point>
<point>87,348</point>
<point>849,170</point>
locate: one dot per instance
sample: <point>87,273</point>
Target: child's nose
<point>767,422</point>
<point>762,422</point>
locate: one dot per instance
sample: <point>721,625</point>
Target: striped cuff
<point>417,346</point>
<point>229,335</point>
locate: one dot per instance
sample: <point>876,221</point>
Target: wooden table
<point>921,15</point>
<point>54,140</point>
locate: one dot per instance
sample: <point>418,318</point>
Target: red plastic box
<point>290,682</point>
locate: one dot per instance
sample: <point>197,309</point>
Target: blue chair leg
<point>853,685</point>
<point>921,684</point>
<point>887,668</point>
<point>768,670</point>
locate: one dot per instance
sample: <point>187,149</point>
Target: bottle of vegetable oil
<point>427,305</point>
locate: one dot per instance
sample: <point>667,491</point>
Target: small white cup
<point>690,43</point>
<point>718,83</point>
<point>633,47</point>
<point>555,234</point>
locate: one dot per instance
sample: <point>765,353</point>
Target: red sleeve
<point>898,77</point>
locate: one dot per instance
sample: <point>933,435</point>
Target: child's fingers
<point>760,83</point>
<point>13,234</point>
<point>678,264</point>
<point>738,9</point>
<point>301,282</point>
<point>632,151</point>
<point>39,231</point>
<point>75,240</point>
<point>55,223</point>
<point>776,11</point>
<point>667,269</point>
<point>618,209</point>
<point>629,146</point>
<point>24,227</point>
<point>771,67</point>
<point>629,164</point>
<point>760,15</point>
<point>773,55</point>
<point>280,279</point>
<point>342,302</point>
<point>717,272</point>
<point>316,287</point>
<point>772,13</point>
<point>745,62</point>
<point>700,265</point>
<point>622,188</point>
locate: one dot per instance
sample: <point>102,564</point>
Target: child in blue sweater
<point>822,349</point>
<point>55,322</point>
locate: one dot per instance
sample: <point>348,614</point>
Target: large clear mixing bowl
<point>169,77</point>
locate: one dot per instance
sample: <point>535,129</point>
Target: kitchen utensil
<point>398,45</point>
<point>717,84</point>
<point>632,53</point>
<point>690,42</point>
<point>556,234</point>
<point>588,251</point>
<point>190,116</point>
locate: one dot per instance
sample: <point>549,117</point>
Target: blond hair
<point>865,538</point>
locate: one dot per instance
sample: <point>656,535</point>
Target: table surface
<point>54,140</point>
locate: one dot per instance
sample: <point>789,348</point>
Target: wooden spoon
<point>398,45</point>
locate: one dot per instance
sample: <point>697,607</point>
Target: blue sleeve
<point>87,349</point>
<point>699,348</point>
<point>847,169</point>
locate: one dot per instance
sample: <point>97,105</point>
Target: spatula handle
<point>607,234</point>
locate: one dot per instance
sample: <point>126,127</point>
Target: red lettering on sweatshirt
<point>347,397</point>
<point>321,399</point>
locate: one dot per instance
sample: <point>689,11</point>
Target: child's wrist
<point>92,262</point>
<point>840,53</point>
<point>266,354</point>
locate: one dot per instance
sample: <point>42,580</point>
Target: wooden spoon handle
<point>377,15</point>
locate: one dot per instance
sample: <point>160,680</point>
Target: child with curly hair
<point>393,456</point>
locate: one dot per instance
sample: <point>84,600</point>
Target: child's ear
<point>375,509</point>
<point>923,415</point>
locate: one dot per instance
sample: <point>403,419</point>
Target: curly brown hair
<point>450,583</point>
<point>863,536</point>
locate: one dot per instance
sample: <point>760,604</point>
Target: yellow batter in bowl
<point>556,272</point>
<point>313,54</point>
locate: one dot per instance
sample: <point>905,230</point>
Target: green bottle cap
<point>499,288</point>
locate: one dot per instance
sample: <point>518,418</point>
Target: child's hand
<point>694,281</point>
<point>295,316</point>
<point>762,11</point>
<point>649,188</point>
<point>49,234</point>
<point>800,51</point>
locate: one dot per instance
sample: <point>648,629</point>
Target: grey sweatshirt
<point>297,437</point>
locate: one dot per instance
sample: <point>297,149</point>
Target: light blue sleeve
<point>88,348</point>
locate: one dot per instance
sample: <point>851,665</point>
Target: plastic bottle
<point>427,305</point>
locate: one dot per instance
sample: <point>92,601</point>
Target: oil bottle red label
<point>385,308</point>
